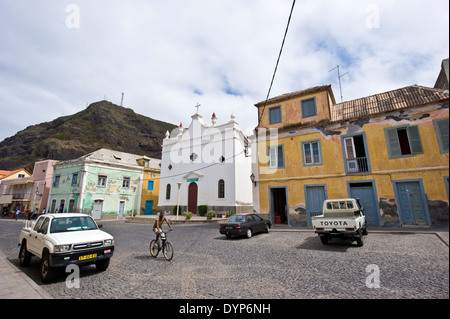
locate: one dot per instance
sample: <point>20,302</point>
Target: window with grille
<point>221,188</point>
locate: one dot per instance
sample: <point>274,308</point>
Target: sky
<point>59,56</point>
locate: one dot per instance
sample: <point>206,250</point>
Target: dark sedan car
<point>246,225</point>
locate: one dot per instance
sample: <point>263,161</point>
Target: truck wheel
<point>24,255</point>
<point>324,240</point>
<point>364,231</point>
<point>359,239</point>
<point>102,265</point>
<point>45,271</point>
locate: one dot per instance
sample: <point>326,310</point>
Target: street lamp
<point>253,178</point>
<point>178,198</point>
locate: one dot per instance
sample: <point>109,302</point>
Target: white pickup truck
<point>341,218</point>
<point>63,239</point>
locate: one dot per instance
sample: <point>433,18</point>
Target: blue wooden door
<point>315,196</point>
<point>411,206</point>
<point>121,209</point>
<point>148,207</point>
<point>366,196</point>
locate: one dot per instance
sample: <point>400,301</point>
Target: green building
<point>104,184</point>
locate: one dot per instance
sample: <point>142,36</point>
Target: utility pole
<point>121,101</point>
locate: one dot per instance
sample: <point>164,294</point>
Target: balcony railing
<point>22,196</point>
<point>357,165</point>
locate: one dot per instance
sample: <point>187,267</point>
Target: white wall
<point>209,144</point>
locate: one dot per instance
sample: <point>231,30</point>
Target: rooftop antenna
<point>339,77</point>
<point>121,101</point>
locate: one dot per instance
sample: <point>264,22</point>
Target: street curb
<point>18,284</point>
<point>442,235</point>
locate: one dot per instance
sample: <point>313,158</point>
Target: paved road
<point>274,265</point>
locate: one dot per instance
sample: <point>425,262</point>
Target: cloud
<point>167,56</point>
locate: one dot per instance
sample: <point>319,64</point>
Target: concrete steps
<point>150,219</point>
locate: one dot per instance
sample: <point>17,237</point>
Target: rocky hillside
<point>101,125</point>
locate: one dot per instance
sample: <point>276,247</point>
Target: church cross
<point>197,106</point>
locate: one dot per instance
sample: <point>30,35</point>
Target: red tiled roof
<point>4,174</point>
<point>409,96</point>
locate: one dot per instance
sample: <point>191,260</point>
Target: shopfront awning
<point>6,199</point>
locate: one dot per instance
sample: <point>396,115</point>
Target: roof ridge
<point>294,94</point>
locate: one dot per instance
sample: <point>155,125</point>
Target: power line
<point>69,174</point>
<point>278,60</point>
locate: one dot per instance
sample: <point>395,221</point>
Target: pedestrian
<point>28,213</point>
<point>43,211</point>
<point>17,213</point>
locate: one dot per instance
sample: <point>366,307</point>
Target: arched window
<point>221,188</point>
<point>168,187</point>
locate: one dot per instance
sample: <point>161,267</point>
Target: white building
<point>206,165</point>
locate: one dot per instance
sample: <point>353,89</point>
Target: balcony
<point>21,196</point>
<point>357,165</point>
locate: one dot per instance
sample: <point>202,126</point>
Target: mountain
<point>101,125</point>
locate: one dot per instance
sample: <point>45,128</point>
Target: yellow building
<point>390,150</point>
<point>150,185</point>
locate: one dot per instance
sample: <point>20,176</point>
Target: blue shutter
<point>309,108</point>
<point>392,142</point>
<point>442,131</point>
<point>275,115</point>
<point>414,140</point>
<point>280,156</point>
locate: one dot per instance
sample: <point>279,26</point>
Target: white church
<point>206,164</point>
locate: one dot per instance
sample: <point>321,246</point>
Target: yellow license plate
<point>87,257</point>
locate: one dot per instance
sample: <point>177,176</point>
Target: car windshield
<point>66,224</point>
<point>236,219</point>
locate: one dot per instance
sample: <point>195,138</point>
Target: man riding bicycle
<point>157,226</point>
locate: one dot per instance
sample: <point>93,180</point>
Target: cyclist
<point>158,224</point>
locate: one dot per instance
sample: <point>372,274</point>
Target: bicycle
<point>163,244</point>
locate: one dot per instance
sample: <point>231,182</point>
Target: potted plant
<point>210,215</point>
<point>188,215</point>
<point>202,210</point>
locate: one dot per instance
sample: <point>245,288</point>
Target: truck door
<point>35,241</point>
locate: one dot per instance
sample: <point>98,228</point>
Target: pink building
<point>27,192</point>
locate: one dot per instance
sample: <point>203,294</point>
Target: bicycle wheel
<point>168,251</point>
<point>154,250</point>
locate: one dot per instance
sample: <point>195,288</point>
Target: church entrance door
<point>192,197</point>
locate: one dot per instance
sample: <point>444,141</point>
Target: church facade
<point>206,165</point>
